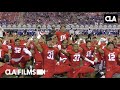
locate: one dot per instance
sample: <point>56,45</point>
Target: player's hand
<point>96,60</point>
<point>58,63</point>
<point>92,62</point>
<point>59,47</point>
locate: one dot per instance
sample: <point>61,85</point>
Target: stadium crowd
<point>52,17</point>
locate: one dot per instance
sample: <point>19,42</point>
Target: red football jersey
<point>75,58</point>
<point>62,36</point>
<point>49,53</point>
<point>111,57</point>
<point>3,51</point>
<point>88,52</point>
<point>17,51</point>
<point>67,50</point>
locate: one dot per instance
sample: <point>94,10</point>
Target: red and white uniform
<point>3,51</point>
<point>75,58</point>
<point>75,64</point>
<point>50,63</point>
<point>62,36</point>
<point>88,53</point>
<point>37,56</point>
<point>18,55</point>
<point>63,58</point>
<point>111,58</point>
<point>49,60</point>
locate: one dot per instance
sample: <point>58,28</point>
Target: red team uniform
<point>49,62</point>
<point>76,64</point>
<point>18,55</point>
<point>63,58</point>
<point>3,51</point>
<point>62,36</point>
<point>88,53</point>
<point>37,56</point>
<point>111,58</point>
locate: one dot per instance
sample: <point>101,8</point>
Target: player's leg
<point>38,61</point>
<point>70,73</point>
<point>109,73</point>
<point>23,62</point>
<point>62,68</point>
<point>38,65</point>
<point>13,63</point>
<point>117,69</point>
<point>85,70</point>
<point>49,67</point>
<point>77,73</point>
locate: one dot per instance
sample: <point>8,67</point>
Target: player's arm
<point>99,49</point>
<point>86,59</point>
<point>38,46</point>
<point>64,52</point>
<point>28,43</point>
<point>27,51</point>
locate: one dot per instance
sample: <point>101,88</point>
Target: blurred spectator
<point>81,18</point>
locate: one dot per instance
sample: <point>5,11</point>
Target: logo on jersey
<point>110,18</point>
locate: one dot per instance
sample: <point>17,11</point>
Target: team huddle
<point>62,54</point>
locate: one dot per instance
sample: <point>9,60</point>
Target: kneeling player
<point>17,55</point>
<point>111,55</point>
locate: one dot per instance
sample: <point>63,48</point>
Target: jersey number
<point>50,55</point>
<point>62,37</point>
<point>88,54</point>
<point>17,50</point>
<point>76,58</point>
<point>111,57</point>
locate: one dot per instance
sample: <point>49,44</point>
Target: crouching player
<point>50,59</point>
<point>75,55</point>
<point>111,55</point>
<point>18,54</point>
